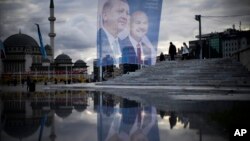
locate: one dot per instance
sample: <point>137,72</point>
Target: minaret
<point>52,33</point>
<point>52,135</point>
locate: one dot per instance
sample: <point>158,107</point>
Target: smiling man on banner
<point>138,47</point>
<point>115,14</point>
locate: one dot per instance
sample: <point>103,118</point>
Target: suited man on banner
<point>136,48</point>
<point>115,14</point>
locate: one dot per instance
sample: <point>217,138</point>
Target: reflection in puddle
<point>128,121</point>
<point>99,116</point>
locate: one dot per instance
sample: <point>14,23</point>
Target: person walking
<point>185,51</point>
<point>172,51</point>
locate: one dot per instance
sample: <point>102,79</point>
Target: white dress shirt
<point>115,47</point>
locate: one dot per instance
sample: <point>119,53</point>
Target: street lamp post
<point>198,18</point>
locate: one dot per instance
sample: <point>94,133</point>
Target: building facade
<point>223,44</point>
<point>235,41</point>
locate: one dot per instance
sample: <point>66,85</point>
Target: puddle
<point>100,116</point>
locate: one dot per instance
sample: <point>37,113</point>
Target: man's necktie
<point>139,53</point>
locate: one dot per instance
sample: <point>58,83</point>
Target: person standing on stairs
<point>172,51</point>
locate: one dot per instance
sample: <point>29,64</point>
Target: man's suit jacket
<point>104,48</point>
<point>128,52</point>
<point>129,55</point>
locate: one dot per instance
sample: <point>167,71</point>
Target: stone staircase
<point>209,72</point>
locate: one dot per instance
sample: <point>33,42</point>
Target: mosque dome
<point>64,112</point>
<point>80,107</point>
<point>21,128</point>
<point>80,63</point>
<point>20,40</point>
<point>63,59</point>
<point>21,43</point>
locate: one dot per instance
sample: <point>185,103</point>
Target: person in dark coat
<point>172,51</point>
<point>172,120</point>
<point>162,57</point>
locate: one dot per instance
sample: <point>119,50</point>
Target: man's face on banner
<point>138,25</point>
<point>117,16</point>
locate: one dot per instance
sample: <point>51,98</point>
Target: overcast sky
<point>76,22</point>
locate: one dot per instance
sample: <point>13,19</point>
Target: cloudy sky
<point>76,22</point>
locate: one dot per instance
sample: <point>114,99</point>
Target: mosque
<point>21,57</point>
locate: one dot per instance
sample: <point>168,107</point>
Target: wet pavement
<point>114,115</point>
<point>23,88</point>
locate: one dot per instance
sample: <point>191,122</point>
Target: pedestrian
<point>185,51</point>
<point>185,45</point>
<point>162,57</point>
<point>172,51</point>
<point>172,119</point>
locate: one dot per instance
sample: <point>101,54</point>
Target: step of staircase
<point>209,72</point>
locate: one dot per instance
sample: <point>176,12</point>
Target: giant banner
<point>128,31</point>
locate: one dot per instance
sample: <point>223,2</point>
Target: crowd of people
<point>185,52</point>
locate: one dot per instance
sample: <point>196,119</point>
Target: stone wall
<point>243,56</point>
